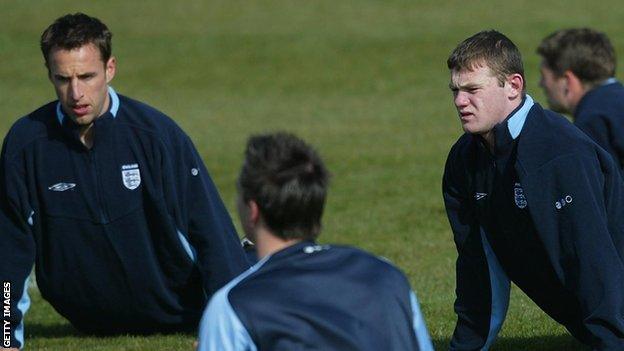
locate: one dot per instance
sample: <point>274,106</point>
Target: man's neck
<point>86,132</point>
<point>489,136</point>
<point>490,140</point>
<point>267,243</point>
<point>86,136</point>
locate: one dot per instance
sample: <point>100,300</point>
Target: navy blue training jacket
<point>129,236</point>
<point>574,195</point>
<point>315,297</point>
<point>600,114</point>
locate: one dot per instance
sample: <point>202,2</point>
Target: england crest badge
<point>519,197</point>
<point>131,176</point>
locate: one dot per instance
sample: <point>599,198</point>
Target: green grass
<point>365,81</point>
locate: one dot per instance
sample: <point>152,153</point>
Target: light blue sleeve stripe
<point>220,328</point>
<point>420,328</point>
<point>190,250</point>
<point>500,292</point>
<point>23,305</point>
<point>516,122</point>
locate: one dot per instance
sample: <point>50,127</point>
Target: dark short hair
<point>288,180</point>
<point>74,31</point>
<point>586,52</point>
<point>491,48</point>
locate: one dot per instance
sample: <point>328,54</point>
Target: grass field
<point>365,81</point>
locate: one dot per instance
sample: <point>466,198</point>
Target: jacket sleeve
<point>221,329</point>
<point>209,228</point>
<point>580,218</point>
<point>482,289</point>
<point>18,250</point>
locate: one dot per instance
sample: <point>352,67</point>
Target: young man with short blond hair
<point>532,200</point>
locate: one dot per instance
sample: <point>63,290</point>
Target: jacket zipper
<point>98,187</point>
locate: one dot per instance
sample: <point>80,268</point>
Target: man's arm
<point>18,251</point>
<point>582,229</point>
<point>210,231</point>
<point>482,291</point>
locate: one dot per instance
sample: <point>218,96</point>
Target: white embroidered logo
<point>61,186</point>
<point>561,203</point>
<point>315,248</point>
<point>479,196</point>
<point>519,197</point>
<point>131,176</point>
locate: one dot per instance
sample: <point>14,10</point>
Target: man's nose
<point>76,90</point>
<point>461,99</point>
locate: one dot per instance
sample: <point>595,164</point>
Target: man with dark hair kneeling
<point>302,294</point>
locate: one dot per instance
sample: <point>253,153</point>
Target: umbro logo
<point>479,196</point>
<point>62,186</point>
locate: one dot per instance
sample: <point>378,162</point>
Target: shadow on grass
<point>53,330</point>
<point>39,330</point>
<point>535,343</point>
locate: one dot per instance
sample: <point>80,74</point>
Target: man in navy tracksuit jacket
<point>578,68</point>
<point>110,200</point>
<point>302,295</point>
<point>532,200</point>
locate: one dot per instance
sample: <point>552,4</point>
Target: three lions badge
<point>131,176</point>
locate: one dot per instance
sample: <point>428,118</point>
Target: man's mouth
<point>464,116</point>
<point>80,110</point>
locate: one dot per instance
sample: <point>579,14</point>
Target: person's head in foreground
<point>281,191</point>
<point>574,61</point>
<point>487,81</point>
<point>301,294</point>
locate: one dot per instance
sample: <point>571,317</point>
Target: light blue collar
<point>516,121</point>
<point>609,81</point>
<point>114,107</point>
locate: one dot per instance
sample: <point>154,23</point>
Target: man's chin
<point>82,120</point>
<point>471,129</point>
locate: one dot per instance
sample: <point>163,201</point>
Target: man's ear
<point>515,82</point>
<point>574,89</point>
<point>111,68</point>
<point>573,84</point>
<point>254,212</point>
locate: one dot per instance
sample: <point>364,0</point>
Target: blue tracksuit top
<point>568,196</point>
<point>315,297</point>
<point>600,114</point>
<point>128,236</point>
